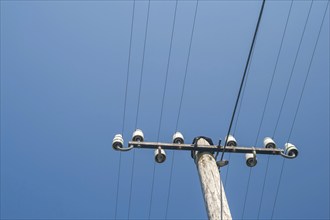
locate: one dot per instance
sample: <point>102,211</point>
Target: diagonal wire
<point>169,185</point>
<point>265,106</point>
<point>238,113</point>
<point>243,82</point>
<point>180,105</point>
<point>142,66</point>
<point>246,192</point>
<point>162,105</point>
<point>263,186</point>
<point>161,114</point>
<point>140,86</point>
<point>118,178</point>
<point>133,160</point>
<point>167,69</point>
<point>187,64</point>
<point>243,77</point>
<point>287,87</point>
<point>293,67</point>
<point>298,106</point>
<point>308,71</point>
<point>125,104</point>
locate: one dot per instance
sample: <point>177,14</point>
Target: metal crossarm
<point>209,148</point>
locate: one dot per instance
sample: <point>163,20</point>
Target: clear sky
<point>63,79</point>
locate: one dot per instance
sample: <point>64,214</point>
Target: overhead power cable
<point>243,78</point>
<point>160,120</point>
<point>298,106</point>
<point>187,64</point>
<point>142,66</point>
<point>266,103</point>
<point>246,70</point>
<point>133,159</point>
<point>139,99</point>
<point>167,70</point>
<point>162,105</point>
<point>246,192</point>
<point>292,69</point>
<point>239,111</point>
<point>287,87</point>
<point>125,104</point>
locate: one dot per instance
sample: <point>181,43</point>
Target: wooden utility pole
<point>214,196</point>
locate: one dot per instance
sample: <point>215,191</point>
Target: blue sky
<point>63,79</point>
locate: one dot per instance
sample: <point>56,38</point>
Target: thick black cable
<point>125,104</point>
<point>187,64</point>
<point>242,85</point>
<point>142,66</point>
<point>243,78</point>
<point>266,103</point>
<point>238,113</point>
<point>292,70</point>
<point>298,106</point>
<point>241,100</point>
<point>162,108</point>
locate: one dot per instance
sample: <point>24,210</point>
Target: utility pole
<point>210,181</point>
<point>202,151</point>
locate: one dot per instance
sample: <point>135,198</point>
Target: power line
<point>140,86</point>
<point>243,77</point>
<point>293,67</point>
<point>161,114</point>
<point>266,103</point>
<point>298,106</point>
<point>243,84</point>
<point>167,70</point>
<point>283,162</point>
<point>128,67</point>
<point>152,189</point>
<point>246,70</point>
<point>139,96</point>
<point>246,192</point>
<point>239,110</point>
<point>162,107</point>
<point>187,64</point>
<point>243,93</point>
<point>308,71</point>
<point>183,87</point>
<point>133,159</point>
<point>277,189</point>
<point>125,104</point>
<point>169,185</point>
<point>118,178</point>
<point>142,66</point>
<point>274,71</point>
<point>263,186</point>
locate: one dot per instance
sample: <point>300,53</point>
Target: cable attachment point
<point>222,163</point>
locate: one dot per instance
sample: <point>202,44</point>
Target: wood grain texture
<point>210,182</point>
